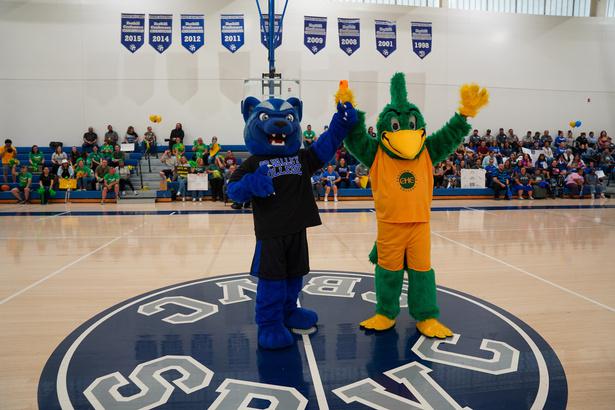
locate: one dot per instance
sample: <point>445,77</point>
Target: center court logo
<point>193,346</point>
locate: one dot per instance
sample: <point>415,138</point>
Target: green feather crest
<point>399,94</point>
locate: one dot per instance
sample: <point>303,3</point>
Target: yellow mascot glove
<point>473,98</point>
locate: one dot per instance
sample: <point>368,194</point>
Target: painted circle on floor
<point>193,346</point>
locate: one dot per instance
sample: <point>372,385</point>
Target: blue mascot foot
<point>274,336</point>
<point>300,318</point>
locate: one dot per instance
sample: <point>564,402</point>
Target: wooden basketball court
<point>550,263</point>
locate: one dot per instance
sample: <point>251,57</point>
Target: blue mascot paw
<point>274,336</point>
<point>260,182</point>
<point>346,116</point>
<point>300,318</point>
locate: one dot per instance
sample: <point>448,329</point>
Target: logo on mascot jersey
<point>406,180</point>
<point>194,346</point>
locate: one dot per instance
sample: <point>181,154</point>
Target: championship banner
<point>386,37</point>
<point>315,33</point>
<point>350,34</point>
<point>421,38</point>
<point>133,30</point>
<point>231,31</point>
<point>192,31</point>
<point>160,31</point>
<point>277,33</point>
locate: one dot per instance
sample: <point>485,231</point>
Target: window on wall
<point>548,7</point>
<point>417,3</point>
<point>610,8</point>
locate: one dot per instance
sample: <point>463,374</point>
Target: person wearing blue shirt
<point>491,170</point>
<point>501,183</point>
<point>330,179</point>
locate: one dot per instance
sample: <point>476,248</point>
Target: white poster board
<point>534,153</point>
<point>127,147</point>
<point>600,173</point>
<point>197,182</point>
<point>473,178</point>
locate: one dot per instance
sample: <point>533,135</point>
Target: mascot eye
<point>290,118</point>
<point>412,122</point>
<point>394,124</point>
<point>263,116</point>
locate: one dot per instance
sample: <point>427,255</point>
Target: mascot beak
<point>406,144</point>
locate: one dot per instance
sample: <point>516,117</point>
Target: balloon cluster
<point>155,119</point>
<point>575,124</point>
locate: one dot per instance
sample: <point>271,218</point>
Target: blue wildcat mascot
<point>277,180</point>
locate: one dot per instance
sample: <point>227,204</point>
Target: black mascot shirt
<point>292,208</point>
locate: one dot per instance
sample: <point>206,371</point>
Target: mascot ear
<point>297,105</point>
<point>247,106</point>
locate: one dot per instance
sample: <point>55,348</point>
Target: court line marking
<point>52,216</point>
<point>319,390</point>
<point>68,265</point>
<point>560,287</point>
<point>469,208</point>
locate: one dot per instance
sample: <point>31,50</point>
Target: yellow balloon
<point>152,118</point>
<point>572,124</point>
<point>158,118</point>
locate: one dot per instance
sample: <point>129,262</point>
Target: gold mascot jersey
<point>402,188</point>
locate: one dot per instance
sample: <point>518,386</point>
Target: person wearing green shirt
<point>25,180</point>
<point>309,137</point>
<point>111,181</point>
<point>83,173</point>
<point>36,159</point>
<point>117,156</point>
<point>94,158</point>
<point>200,149</point>
<point>216,181</point>
<point>106,151</point>
<point>198,167</point>
<point>179,149</point>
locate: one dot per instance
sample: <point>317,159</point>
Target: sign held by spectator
<point>197,182</point>
<point>473,178</point>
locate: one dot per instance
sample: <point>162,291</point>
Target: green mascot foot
<point>422,304</point>
<point>388,290</point>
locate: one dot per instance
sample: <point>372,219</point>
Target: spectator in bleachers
<point>361,173</point>
<point>545,137</point>
<point>8,154</point>
<point>581,143</point>
<point>604,141</point>
<point>46,184</point>
<point>198,167</point>
<point>474,138</point>
<point>330,178</point>
<point>100,172</point>
<point>150,146</point>
<point>131,137</point>
<point>557,182</point>
<point>512,138</point>
<point>25,181</point>
<point>111,137</point>
<point>229,159</point>
<point>177,135</point>
<point>170,161</point>
<point>179,149</point>
<point>66,170</point>
<point>90,139</point>
<point>523,183</point>
<point>324,129</point>
<point>124,173</point>
<point>483,149</point>
<point>490,157</point>
<point>84,175</point>
<point>36,159</point>
<point>569,139</point>
<point>488,138</point>
<point>74,155</point>
<point>343,171</point>
<point>500,139</point>
<point>106,151</point>
<point>117,156</point>
<point>200,149</point>
<point>438,175</point>
<point>574,183</point>
<point>309,137</point>
<point>216,180</point>
<point>451,176</point>
<point>548,151</point>
<point>560,138</point>
<point>111,182</point>
<point>181,173</point>
<point>594,183</point>
<point>94,158</point>
<point>541,162</point>
<point>501,183</point>
<point>213,149</point>
<point>592,139</point>
<point>316,180</point>
<point>56,159</point>
<point>370,131</point>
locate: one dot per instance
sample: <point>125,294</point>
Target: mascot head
<point>401,126</point>
<point>272,126</point>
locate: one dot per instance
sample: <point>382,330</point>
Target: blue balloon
<point>578,123</point>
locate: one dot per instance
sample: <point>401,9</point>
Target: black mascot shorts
<point>281,257</point>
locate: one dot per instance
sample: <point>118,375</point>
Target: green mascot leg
<point>422,304</point>
<point>388,290</point>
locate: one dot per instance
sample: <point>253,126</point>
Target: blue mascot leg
<point>296,317</point>
<point>270,298</point>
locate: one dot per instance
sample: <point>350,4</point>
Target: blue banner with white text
<point>277,33</point>
<point>386,37</point>
<point>232,31</point>
<point>160,31</point>
<point>349,34</point>
<point>192,31</point>
<point>421,38</point>
<point>133,31</point>
<point>315,33</point>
